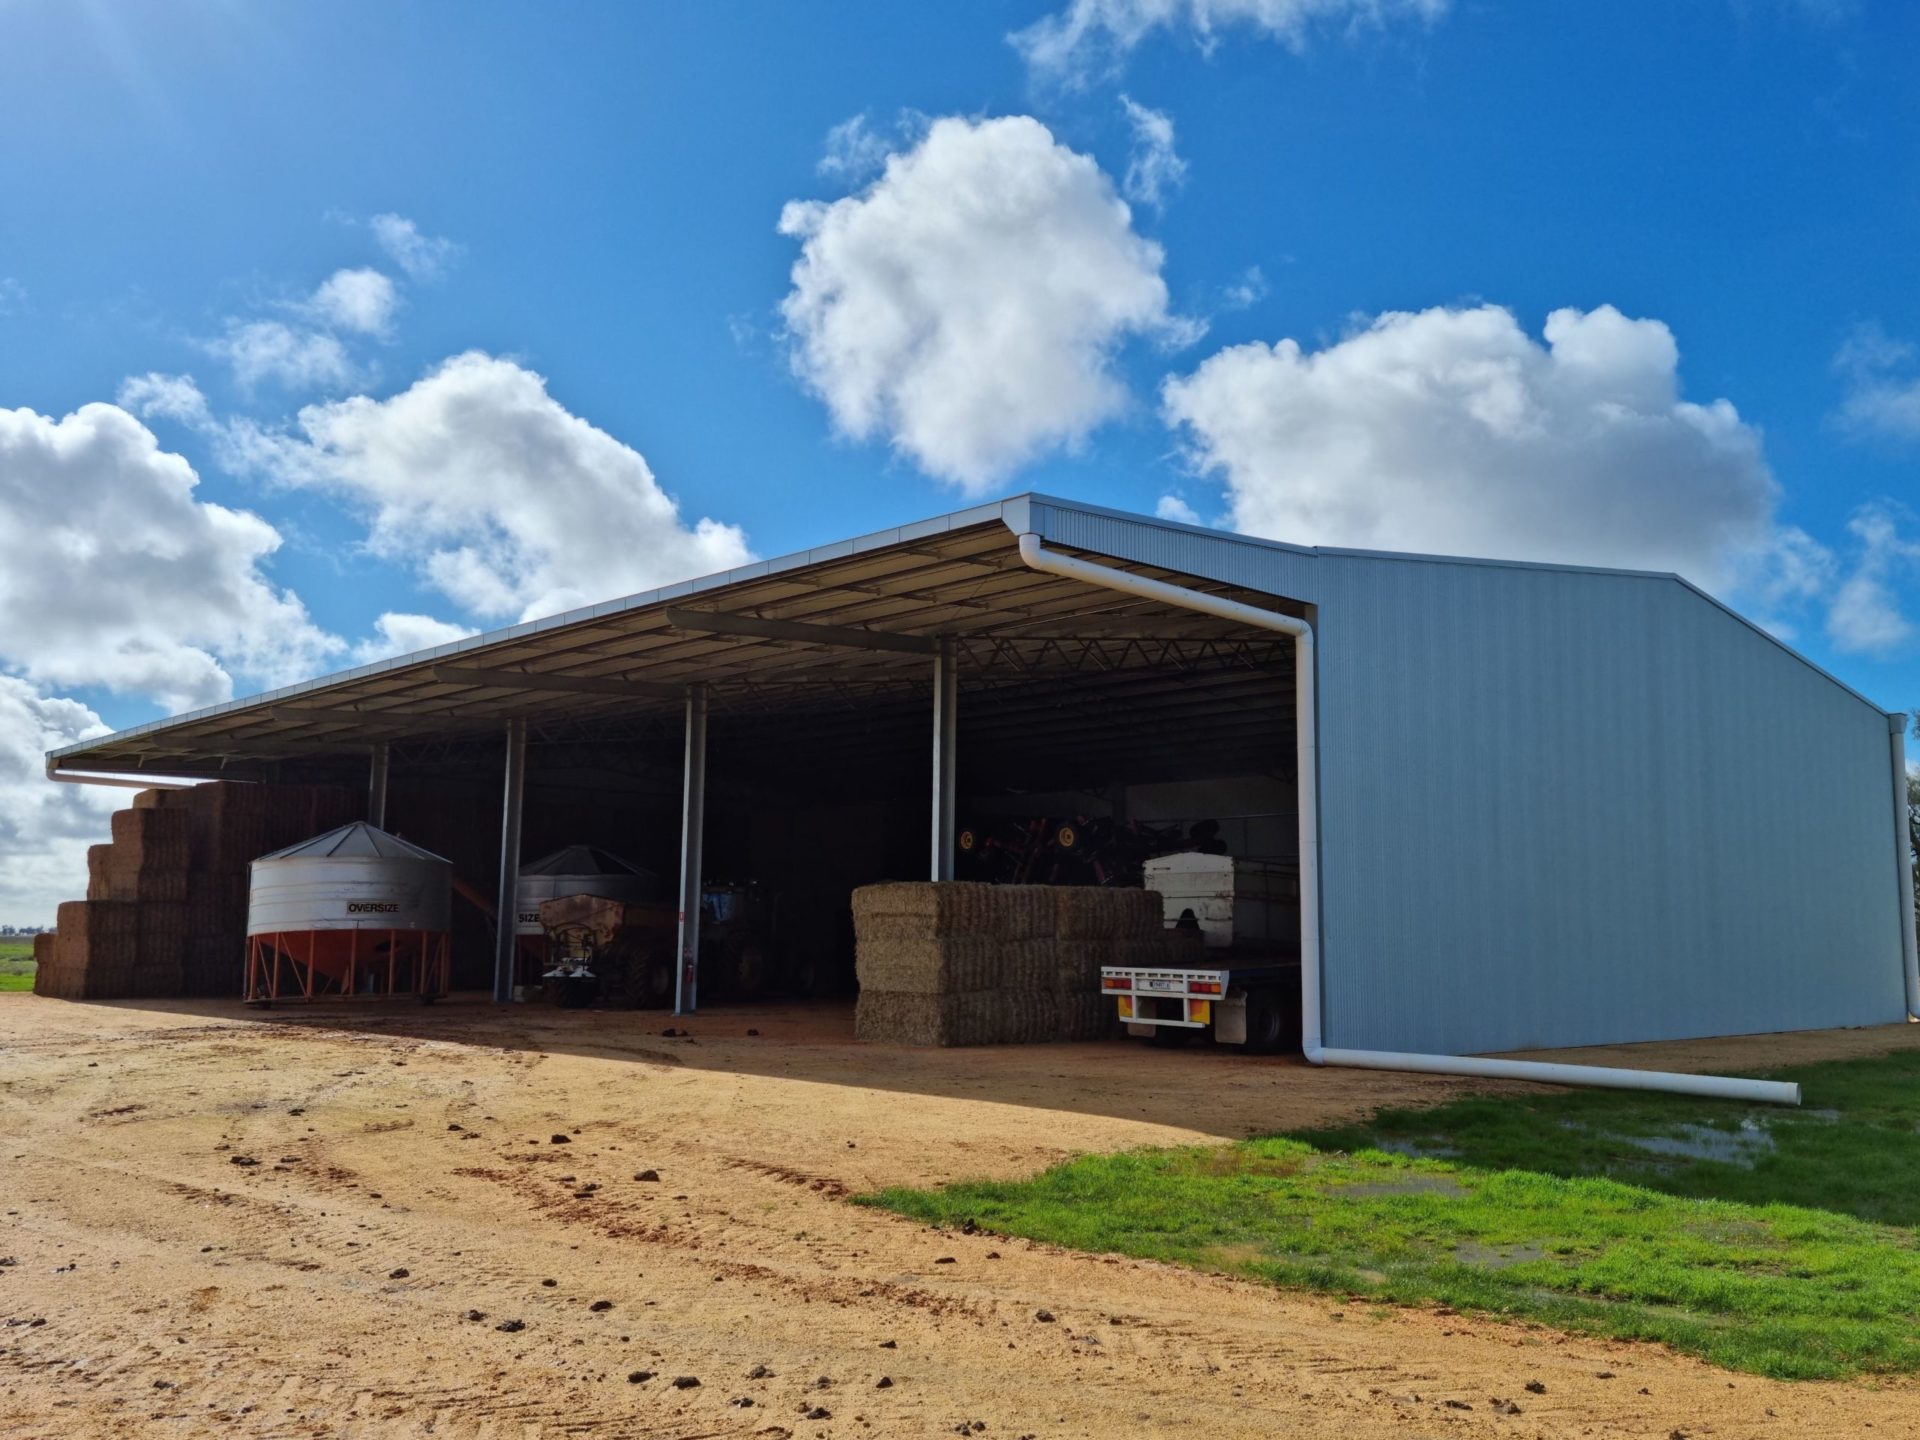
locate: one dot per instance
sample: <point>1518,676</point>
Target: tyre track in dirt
<point>257,1300</point>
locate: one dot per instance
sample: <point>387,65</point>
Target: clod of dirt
<point>754,1033</point>
<point>7,1262</point>
<point>600,1306</point>
<point>163,1384</point>
<point>1044,1317</point>
<point>885,1382</point>
<point>945,1260</point>
<point>745,1402</point>
<point>561,1140</point>
<point>819,1412</point>
<point>823,1383</point>
<point>1676,1435</point>
<point>993,1254</point>
<point>243,1160</point>
<point>585,1192</point>
<point>1504,1407</point>
<point>889,1344</point>
<point>549,1284</point>
<point>686,1382</point>
<point>1456,1404</point>
<point>454,1129</point>
<point>639,1377</point>
<point>511,1327</point>
<point>1536,1387</point>
<point>671,1034</point>
<point>651,1177</point>
<point>297,1110</point>
<point>398,1274</point>
<point>967,1227</point>
<point>476,1315</point>
<point>1603,1375</point>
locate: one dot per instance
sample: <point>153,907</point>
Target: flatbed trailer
<point>1252,1001</point>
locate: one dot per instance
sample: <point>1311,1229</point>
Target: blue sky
<point>594,197</point>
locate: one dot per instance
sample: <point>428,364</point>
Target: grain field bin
<point>355,911</point>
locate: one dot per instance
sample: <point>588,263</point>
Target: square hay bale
<point>99,858</point>
<point>930,967</point>
<point>45,947</point>
<point>954,965</point>
<point>1095,912</point>
<point>1022,912</point>
<point>922,910</point>
<point>990,1017</point>
<point>151,840</point>
<point>1089,1017</point>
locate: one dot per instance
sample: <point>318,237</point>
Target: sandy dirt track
<point>407,1175</point>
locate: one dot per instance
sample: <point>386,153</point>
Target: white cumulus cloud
<point>423,257</point>
<point>1154,169</point>
<point>45,828</point>
<point>361,300</point>
<point>119,576</point>
<point>1883,385</point>
<point>1866,615</point>
<point>292,356</point>
<point>966,306</point>
<point>397,633</point>
<point>1454,431</point>
<point>501,498</point>
<point>1092,34</point>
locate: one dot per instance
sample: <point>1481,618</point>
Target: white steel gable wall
<point>1565,807</point>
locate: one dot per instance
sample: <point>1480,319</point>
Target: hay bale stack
<point>166,905</point>
<point>969,964</point>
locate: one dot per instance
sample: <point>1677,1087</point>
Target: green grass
<point>1796,1256</point>
<point>16,964</point>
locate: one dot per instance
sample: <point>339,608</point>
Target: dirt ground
<point>408,1180</point>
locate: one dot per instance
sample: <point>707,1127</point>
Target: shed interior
<point>1073,701</point>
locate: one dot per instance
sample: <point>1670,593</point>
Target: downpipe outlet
<point>1773,1092</point>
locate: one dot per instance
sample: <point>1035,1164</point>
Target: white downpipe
<point>1909,949</point>
<point>1036,555</point>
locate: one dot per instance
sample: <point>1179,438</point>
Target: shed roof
<point>1051,666</point>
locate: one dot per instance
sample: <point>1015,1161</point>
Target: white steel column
<point>377,787</point>
<point>505,921</point>
<point>693,820</point>
<point>946,734</point>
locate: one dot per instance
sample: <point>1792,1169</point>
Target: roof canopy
<point>817,661</point>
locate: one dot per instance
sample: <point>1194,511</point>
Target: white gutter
<point>118,782</point>
<point>1909,949</point>
<point>1036,555</point>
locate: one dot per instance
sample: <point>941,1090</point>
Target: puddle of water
<point>1405,1185</point>
<point>1415,1150</point>
<point>1741,1146</point>
<point>1496,1257</point>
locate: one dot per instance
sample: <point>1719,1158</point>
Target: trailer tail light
<point>1126,1007</point>
<point>1116,982</point>
<point>1205,987</point>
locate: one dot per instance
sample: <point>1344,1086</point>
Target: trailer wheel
<point>1266,1023</point>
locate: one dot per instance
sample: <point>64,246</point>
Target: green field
<point>1781,1242</point>
<point>16,964</point>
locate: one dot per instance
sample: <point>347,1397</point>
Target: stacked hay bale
<point>957,963</point>
<point>166,905</point>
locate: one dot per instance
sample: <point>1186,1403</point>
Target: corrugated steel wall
<point>1565,807</point>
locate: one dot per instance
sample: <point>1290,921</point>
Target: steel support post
<point>946,732</point>
<point>507,918</point>
<point>693,819</point>
<point>377,787</point>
